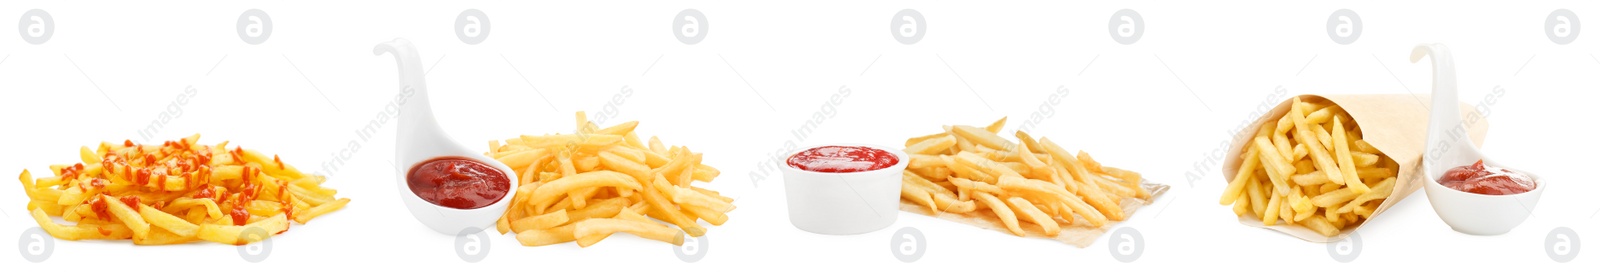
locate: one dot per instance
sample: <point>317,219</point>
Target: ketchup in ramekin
<point>842,159</point>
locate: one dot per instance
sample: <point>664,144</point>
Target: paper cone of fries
<point>1395,125</point>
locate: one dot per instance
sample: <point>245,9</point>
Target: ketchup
<point>458,183</point>
<point>843,159</point>
<point>100,208</point>
<point>1486,180</point>
<point>240,215</point>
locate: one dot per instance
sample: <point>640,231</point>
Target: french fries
<point>586,186</point>
<point>175,193</point>
<point>968,169</point>
<point>1329,178</point>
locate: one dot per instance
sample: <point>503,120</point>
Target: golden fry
<point>1347,165</point>
<point>1001,210</point>
<point>604,226</point>
<point>1032,214</point>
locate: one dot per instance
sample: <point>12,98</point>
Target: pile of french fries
<point>586,186</point>
<point>1311,169</point>
<point>174,193</point>
<point>966,168</point>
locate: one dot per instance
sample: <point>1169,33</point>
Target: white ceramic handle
<point>416,123</point>
<point>1447,137</point>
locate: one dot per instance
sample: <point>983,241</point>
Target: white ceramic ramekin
<point>844,203</point>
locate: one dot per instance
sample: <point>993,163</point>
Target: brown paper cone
<point>1396,124</point>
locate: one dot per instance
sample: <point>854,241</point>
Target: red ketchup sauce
<point>843,159</point>
<point>1487,180</point>
<point>458,183</point>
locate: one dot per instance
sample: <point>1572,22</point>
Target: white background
<point>1157,106</point>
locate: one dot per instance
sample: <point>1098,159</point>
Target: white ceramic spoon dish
<point>420,139</point>
<point>1448,146</point>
